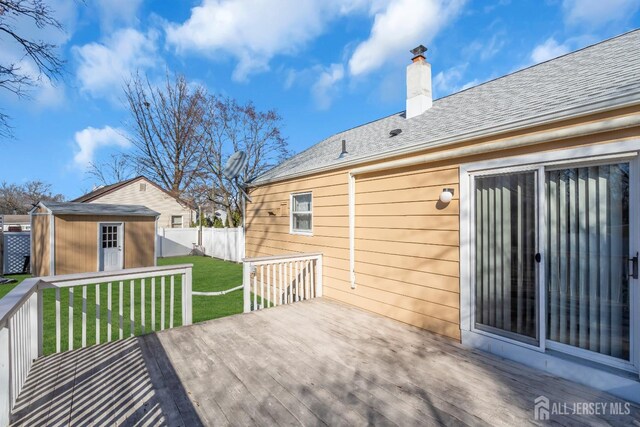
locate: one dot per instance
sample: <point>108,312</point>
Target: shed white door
<point>110,247</point>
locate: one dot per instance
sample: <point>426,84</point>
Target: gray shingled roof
<point>75,208</point>
<point>604,71</point>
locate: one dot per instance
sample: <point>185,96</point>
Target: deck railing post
<point>5,375</point>
<point>319,276</point>
<point>187,297</point>
<point>34,344</point>
<point>40,329</point>
<point>246,283</point>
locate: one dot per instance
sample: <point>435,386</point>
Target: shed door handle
<point>538,257</point>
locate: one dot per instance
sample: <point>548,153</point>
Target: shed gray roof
<point>605,72</point>
<point>74,208</point>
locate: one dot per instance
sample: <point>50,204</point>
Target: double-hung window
<point>176,221</point>
<point>301,213</point>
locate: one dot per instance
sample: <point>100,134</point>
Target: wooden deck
<point>311,363</point>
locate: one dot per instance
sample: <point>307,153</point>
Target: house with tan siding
<point>504,216</point>
<point>174,212</point>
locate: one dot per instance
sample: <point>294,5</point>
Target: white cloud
<point>548,50</point>
<point>470,84</point>
<point>492,47</point>
<point>42,91</point>
<point>50,95</point>
<point>113,13</point>
<point>91,139</point>
<point>104,66</point>
<point>324,88</point>
<point>401,25</point>
<point>491,7</point>
<point>448,81</point>
<point>254,31</point>
<point>486,49</point>
<point>596,13</point>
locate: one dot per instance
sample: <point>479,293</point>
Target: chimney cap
<point>418,51</point>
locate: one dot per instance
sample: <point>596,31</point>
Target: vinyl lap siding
<point>153,198</point>
<point>407,245</point>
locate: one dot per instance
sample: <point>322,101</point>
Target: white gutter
<point>471,150</point>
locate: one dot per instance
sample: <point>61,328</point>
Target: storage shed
<point>68,237</point>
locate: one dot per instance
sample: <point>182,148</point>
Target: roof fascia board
<point>63,212</point>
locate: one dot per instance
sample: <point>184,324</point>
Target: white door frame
<point>602,153</point>
<point>120,225</point>
<point>540,206</point>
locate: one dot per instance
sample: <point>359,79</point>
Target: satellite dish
<point>234,168</point>
<point>235,165</point>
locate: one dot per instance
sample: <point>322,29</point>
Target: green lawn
<point>208,275</point>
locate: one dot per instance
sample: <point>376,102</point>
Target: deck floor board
<point>312,363</point>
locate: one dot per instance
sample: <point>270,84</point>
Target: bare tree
<point>232,127</point>
<point>19,199</point>
<point>166,130</point>
<point>14,77</point>
<point>118,168</point>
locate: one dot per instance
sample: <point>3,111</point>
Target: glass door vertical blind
<point>586,245</point>
<point>588,249</point>
<point>505,236</point>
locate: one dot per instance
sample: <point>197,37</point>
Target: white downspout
<point>352,229</point>
<point>586,129</point>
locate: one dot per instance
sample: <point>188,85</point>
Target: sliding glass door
<point>587,256</point>
<point>505,235</point>
<point>552,264</point>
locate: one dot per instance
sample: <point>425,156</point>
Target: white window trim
<point>538,356</point>
<point>291,212</point>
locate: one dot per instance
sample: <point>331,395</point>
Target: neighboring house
<point>174,213</point>
<point>504,216</point>
<point>69,237</point>
<point>15,222</point>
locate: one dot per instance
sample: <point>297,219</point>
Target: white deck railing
<point>281,279</point>
<point>22,327</point>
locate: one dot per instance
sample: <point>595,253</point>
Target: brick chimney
<point>419,97</point>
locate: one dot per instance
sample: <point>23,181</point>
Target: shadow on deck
<point>315,362</point>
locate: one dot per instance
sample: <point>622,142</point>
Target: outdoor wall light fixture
<point>447,195</point>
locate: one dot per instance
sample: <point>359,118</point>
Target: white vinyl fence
<point>223,243</point>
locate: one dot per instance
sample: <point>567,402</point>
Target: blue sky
<point>325,65</point>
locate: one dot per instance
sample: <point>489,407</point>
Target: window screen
<point>301,213</point>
